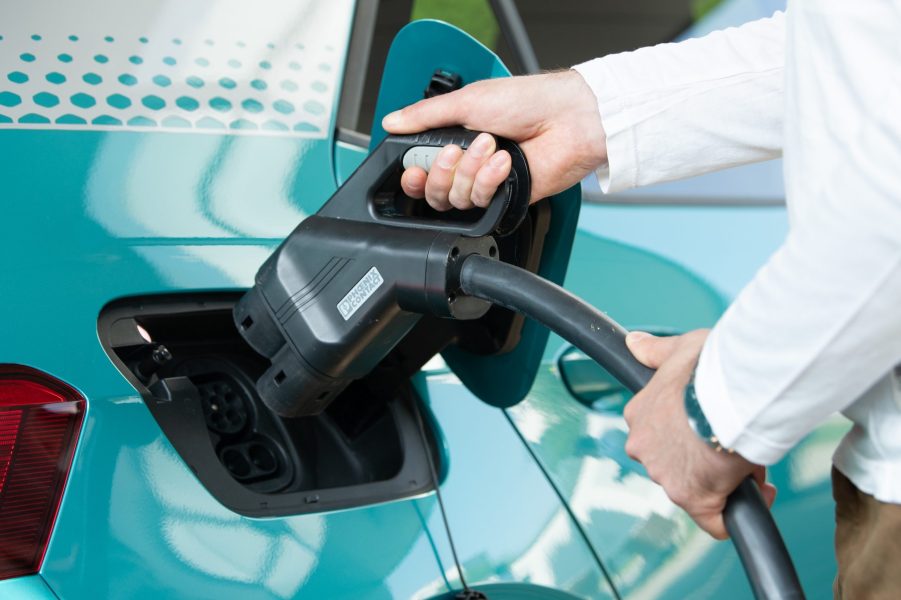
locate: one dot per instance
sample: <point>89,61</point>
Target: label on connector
<point>360,293</point>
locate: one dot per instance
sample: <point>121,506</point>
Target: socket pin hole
<point>262,458</point>
<point>455,252</point>
<point>280,377</point>
<point>492,251</point>
<point>236,463</point>
<point>247,323</point>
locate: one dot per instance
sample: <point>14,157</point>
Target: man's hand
<point>554,118</point>
<point>693,475</point>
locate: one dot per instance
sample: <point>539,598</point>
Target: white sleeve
<point>821,322</point>
<point>676,110</point>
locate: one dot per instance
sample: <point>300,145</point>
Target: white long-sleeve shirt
<point>818,329</point>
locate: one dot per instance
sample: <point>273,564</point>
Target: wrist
<point>589,122</point>
<point>698,422</point>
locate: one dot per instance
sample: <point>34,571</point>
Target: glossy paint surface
<point>26,588</point>
<point>649,546</point>
<point>93,215</point>
<point>136,523</point>
<point>508,524</point>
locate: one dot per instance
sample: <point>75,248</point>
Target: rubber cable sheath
<point>751,526</point>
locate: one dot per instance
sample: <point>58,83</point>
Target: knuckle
<point>459,202</point>
<point>458,195</point>
<point>632,448</point>
<point>484,186</point>
<point>412,181</point>
<point>480,197</point>
<point>677,495</point>
<point>713,525</point>
<point>437,204</point>
<point>435,197</point>
<point>447,159</point>
<point>469,164</point>
<point>479,201</point>
<point>438,185</point>
<point>411,111</point>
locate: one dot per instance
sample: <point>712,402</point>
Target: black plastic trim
<point>355,64</point>
<point>516,36</point>
<point>354,138</point>
<point>183,423</point>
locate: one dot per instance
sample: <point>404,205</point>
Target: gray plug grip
<point>421,156</point>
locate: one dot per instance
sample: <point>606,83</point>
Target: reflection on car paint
<point>650,547</point>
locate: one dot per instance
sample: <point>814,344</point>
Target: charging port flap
<point>500,342</point>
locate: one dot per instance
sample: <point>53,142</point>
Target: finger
<point>441,177</point>
<point>440,111</point>
<point>413,182</point>
<point>713,524</point>
<point>490,177</point>
<point>650,350</point>
<point>759,475</point>
<point>475,156</point>
<point>631,448</point>
<point>767,490</point>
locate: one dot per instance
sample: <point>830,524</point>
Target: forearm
<point>678,110</point>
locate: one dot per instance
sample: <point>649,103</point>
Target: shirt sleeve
<point>677,110</point>
<point>820,324</point>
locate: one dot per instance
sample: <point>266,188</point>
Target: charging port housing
<point>196,374</point>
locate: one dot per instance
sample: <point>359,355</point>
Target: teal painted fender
<point>26,588</point>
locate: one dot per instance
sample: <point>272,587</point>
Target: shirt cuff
<point>730,428</point>
<point>620,172</point>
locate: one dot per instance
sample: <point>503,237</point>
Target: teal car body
<point>165,148</point>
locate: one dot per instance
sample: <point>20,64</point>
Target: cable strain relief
<point>447,255</point>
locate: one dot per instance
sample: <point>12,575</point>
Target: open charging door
<point>501,342</point>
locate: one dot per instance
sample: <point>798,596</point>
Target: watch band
<point>698,422</point>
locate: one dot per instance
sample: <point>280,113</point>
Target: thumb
<point>650,350</point>
<point>713,524</point>
<point>439,111</point>
<point>767,490</point>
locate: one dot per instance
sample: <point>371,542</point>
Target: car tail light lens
<point>39,422</point>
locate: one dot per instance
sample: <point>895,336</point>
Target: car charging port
<point>250,461</point>
<point>224,405</point>
<point>197,376</point>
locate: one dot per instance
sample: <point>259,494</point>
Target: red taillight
<point>39,421</point>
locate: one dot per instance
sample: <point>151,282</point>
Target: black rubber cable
<point>751,526</point>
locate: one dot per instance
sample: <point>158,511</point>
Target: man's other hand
<point>694,476</point>
<point>554,118</point>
